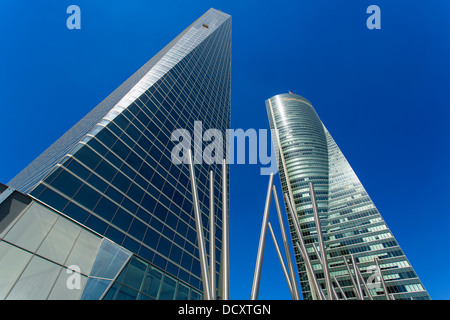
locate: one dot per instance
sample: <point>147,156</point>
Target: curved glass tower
<point>350,223</point>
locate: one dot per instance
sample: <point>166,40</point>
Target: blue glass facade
<point>112,172</point>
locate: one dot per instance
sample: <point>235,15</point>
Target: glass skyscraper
<point>350,222</point>
<point>111,176</point>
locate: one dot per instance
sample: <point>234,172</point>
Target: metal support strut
<point>316,291</point>
<point>328,283</point>
<point>293,280</point>
<point>200,238</point>
<point>212,240</point>
<point>225,235</point>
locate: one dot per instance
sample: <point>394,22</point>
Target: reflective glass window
<point>49,196</point>
<point>12,262</point>
<point>31,229</point>
<point>106,209</point>
<point>61,291</point>
<point>77,169</point>
<point>135,273</point>
<point>152,282</point>
<point>182,292</point>
<point>95,288</point>
<point>87,196</point>
<point>126,293</point>
<point>88,157</point>
<point>59,241</point>
<point>76,212</point>
<point>84,251</point>
<point>36,281</point>
<point>168,288</point>
<point>109,260</point>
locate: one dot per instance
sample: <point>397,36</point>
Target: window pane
<point>12,262</point>
<point>195,295</point>
<point>66,183</point>
<point>78,169</point>
<point>110,259</point>
<point>135,273</point>
<point>75,212</point>
<point>88,157</point>
<point>152,282</point>
<point>32,227</point>
<point>111,295</point>
<point>95,288</point>
<point>105,208</point>
<point>182,292</point>
<point>61,291</point>
<point>126,293</point>
<point>53,199</point>
<point>84,251</point>
<point>168,288</point>
<point>59,241</point>
<point>87,197</point>
<point>36,281</point>
<point>10,210</point>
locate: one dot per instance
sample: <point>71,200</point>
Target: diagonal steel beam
<point>262,242</point>
<point>326,272</point>
<point>200,237</point>
<point>280,257</point>
<point>301,246</point>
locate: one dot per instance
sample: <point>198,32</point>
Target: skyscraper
<point>112,176</point>
<point>350,223</point>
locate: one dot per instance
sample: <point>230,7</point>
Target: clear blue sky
<point>383,95</point>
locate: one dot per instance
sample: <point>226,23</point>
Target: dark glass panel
<point>87,196</point>
<point>78,169</point>
<point>66,183</point>
<point>75,212</point>
<point>152,282</point>
<point>106,209</point>
<point>122,219</point>
<point>135,273</point>
<point>88,157</point>
<point>52,199</point>
<point>137,229</point>
<point>167,288</point>
<point>126,293</point>
<point>96,224</point>
<point>114,235</point>
<point>151,238</point>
